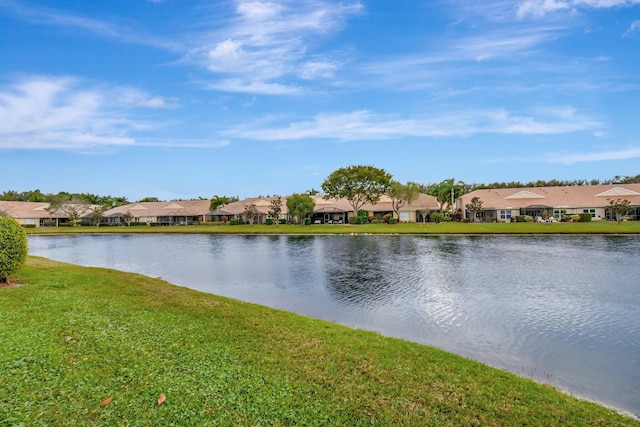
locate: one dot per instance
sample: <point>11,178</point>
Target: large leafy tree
<point>359,184</point>
<point>401,194</point>
<point>446,192</point>
<point>299,206</point>
<point>13,247</point>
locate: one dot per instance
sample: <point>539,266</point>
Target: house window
<point>505,214</point>
<point>590,211</point>
<point>405,216</point>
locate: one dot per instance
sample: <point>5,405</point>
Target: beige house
<point>179,212</point>
<point>505,204</point>
<point>38,214</point>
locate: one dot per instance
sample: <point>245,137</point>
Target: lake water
<point>564,310</point>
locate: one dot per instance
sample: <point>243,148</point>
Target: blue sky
<point>180,99</point>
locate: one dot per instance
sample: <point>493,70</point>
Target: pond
<point>564,310</point>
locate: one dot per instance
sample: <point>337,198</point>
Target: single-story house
<point>504,204</point>
<point>178,212</point>
<point>39,214</point>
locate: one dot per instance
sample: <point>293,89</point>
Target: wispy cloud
<point>60,18</point>
<point>268,44</point>
<point>634,27</point>
<point>64,113</point>
<point>601,156</point>
<point>366,125</point>
<point>539,8</point>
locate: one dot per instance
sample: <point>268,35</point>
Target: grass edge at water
<point>223,361</point>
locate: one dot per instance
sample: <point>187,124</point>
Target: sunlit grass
<point>599,227</point>
<point>72,337</point>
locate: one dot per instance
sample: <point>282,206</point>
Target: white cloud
<point>635,26</point>
<point>254,87</point>
<point>539,8</point>
<point>366,125</point>
<point>268,42</point>
<point>624,154</point>
<point>61,112</point>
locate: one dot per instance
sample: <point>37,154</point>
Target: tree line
<point>441,188</point>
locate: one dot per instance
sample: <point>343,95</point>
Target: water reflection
<point>561,309</point>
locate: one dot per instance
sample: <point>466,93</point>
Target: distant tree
<point>474,207</point>
<point>251,212</point>
<point>217,202</point>
<point>13,247</point>
<point>618,208</point>
<point>275,209</point>
<point>70,207</point>
<point>97,214</point>
<point>312,192</point>
<point>127,217</point>
<point>446,192</point>
<point>402,194</point>
<point>299,206</point>
<point>148,199</point>
<point>424,212</point>
<point>358,184</point>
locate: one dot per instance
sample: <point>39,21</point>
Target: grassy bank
<point>600,227</point>
<point>73,337</point>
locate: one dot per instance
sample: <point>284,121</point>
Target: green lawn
<point>600,227</point>
<point>72,337</point>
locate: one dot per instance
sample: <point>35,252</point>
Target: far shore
<point>444,228</point>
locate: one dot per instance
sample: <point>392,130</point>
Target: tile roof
<point>156,209</point>
<point>587,196</point>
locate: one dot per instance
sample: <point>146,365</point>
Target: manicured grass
<point>599,227</point>
<point>72,337</point>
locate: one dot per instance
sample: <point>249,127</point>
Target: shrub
<point>456,216</point>
<point>28,226</point>
<point>575,217</point>
<point>436,217</point>
<point>519,218</point>
<point>307,221</point>
<point>233,222</point>
<point>353,220</point>
<point>13,247</point>
<point>393,220</point>
<point>269,221</point>
<point>528,218</point>
<point>585,217</point>
<point>387,217</point>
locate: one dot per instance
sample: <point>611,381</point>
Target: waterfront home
<point>40,214</point>
<point>504,204</point>
<point>178,212</point>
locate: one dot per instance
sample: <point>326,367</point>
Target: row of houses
<point>507,203</point>
<point>498,205</point>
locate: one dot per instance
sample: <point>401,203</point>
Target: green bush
<point>353,220</point>
<point>13,247</point>
<point>528,218</point>
<point>585,217</point>
<point>393,220</point>
<point>307,221</point>
<point>233,222</point>
<point>269,221</point>
<point>28,226</point>
<point>519,218</point>
<point>575,217</point>
<point>436,217</point>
